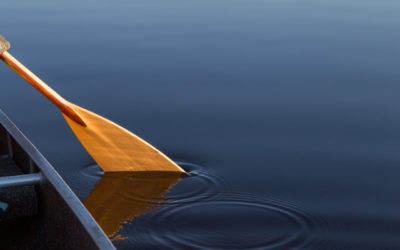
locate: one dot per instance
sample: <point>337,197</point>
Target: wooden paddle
<point>114,148</point>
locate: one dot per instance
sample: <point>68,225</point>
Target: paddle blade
<point>116,149</point>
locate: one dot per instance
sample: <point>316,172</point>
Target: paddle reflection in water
<point>118,197</point>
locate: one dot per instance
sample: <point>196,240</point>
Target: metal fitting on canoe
<point>4,45</point>
<point>20,180</point>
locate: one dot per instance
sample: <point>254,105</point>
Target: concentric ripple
<point>199,185</point>
<point>230,221</point>
<point>199,213</point>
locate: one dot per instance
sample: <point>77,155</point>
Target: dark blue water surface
<point>286,112</point>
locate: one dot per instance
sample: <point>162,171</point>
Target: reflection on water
<point>121,196</point>
<point>134,209</point>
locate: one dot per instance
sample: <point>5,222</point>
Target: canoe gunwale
<point>52,177</point>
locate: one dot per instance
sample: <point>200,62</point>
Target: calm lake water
<point>287,113</point>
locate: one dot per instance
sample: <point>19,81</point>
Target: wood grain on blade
<point>116,149</point>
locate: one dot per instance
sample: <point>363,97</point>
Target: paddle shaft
<point>114,148</point>
<point>42,87</point>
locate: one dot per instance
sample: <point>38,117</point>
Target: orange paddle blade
<point>111,146</point>
<point>115,148</point>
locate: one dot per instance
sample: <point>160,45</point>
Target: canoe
<point>38,210</point>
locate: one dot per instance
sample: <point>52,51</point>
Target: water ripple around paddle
<point>200,213</point>
<point>228,221</point>
<point>200,184</point>
<point>92,170</point>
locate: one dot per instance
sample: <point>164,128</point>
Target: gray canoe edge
<point>51,175</point>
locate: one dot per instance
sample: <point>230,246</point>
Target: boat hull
<point>60,221</point>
